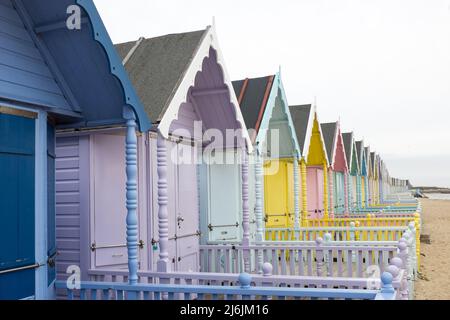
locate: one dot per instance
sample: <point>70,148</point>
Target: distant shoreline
<point>433,190</point>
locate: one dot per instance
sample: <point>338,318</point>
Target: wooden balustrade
<point>98,290</point>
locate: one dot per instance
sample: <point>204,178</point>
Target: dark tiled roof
<point>252,95</point>
<point>347,140</point>
<point>157,67</point>
<point>300,117</point>
<point>359,150</point>
<point>329,132</point>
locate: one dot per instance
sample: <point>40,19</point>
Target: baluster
<point>309,261</point>
<point>301,270</point>
<point>292,262</point>
<point>283,261</point>
<point>339,262</point>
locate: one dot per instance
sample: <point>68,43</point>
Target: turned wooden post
<point>296,197</point>
<point>304,194</point>
<point>245,212</point>
<point>331,193</point>
<point>131,195</point>
<point>325,193</point>
<point>346,194</point>
<point>417,234</point>
<point>163,264</point>
<point>358,192</point>
<point>404,293</point>
<point>394,271</point>
<point>267,273</point>
<point>259,205</point>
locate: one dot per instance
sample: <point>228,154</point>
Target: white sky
<point>382,67</point>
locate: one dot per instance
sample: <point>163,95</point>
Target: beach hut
<point>338,168</point>
<point>266,112</point>
<point>353,169</point>
<point>53,76</point>
<point>182,82</point>
<point>314,162</point>
<point>361,186</point>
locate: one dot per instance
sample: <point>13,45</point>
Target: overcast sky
<point>382,67</point>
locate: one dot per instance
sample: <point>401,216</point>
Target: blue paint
<point>243,290</point>
<point>131,195</point>
<point>17,167</point>
<point>51,215</point>
<point>84,62</point>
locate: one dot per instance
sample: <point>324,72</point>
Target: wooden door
<point>186,220</point>
<point>320,192</point>
<point>225,209</point>
<point>17,206</point>
<point>275,194</point>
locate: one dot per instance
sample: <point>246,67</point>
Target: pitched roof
<point>156,67</point>
<point>300,116</point>
<point>347,139</point>
<point>253,95</point>
<point>329,134</point>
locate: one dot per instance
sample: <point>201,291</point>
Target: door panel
<point>187,219</point>
<point>312,196</point>
<point>320,186</point>
<point>109,225</point>
<point>275,191</point>
<point>17,206</point>
<point>224,201</point>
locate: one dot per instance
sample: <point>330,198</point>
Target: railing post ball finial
<point>396,261</point>
<point>267,269</point>
<point>327,237</point>
<point>411,225</point>
<point>393,270</point>
<point>402,245</point>
<point>357,223</point>
<point>245,280</point>
<point>386,280</point>
<point>352,224</point>
<point>319,241</point>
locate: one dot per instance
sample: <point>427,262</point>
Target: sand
<point>435,265</point>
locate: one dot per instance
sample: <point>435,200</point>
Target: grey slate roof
<point>359,150</point>
<point>329,132</point>
<point>253,98</point>
<point>300,115</point>
<point>157,67</point>
<point>347,139</point>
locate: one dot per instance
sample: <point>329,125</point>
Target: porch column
<point>331,192</point>
<point>304,194</point>
<point>358,192</point>
<point>245,212</point>
<point>259,204</point>
<point>163,264</point>
<point>325,191</point>
<point>366,191</point>
<point>296,196</point>
<point>346,194</point>
<point>131,194</point>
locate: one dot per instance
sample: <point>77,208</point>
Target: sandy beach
<point>435,260</point>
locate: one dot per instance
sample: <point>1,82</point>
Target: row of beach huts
<point>142,171</point>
